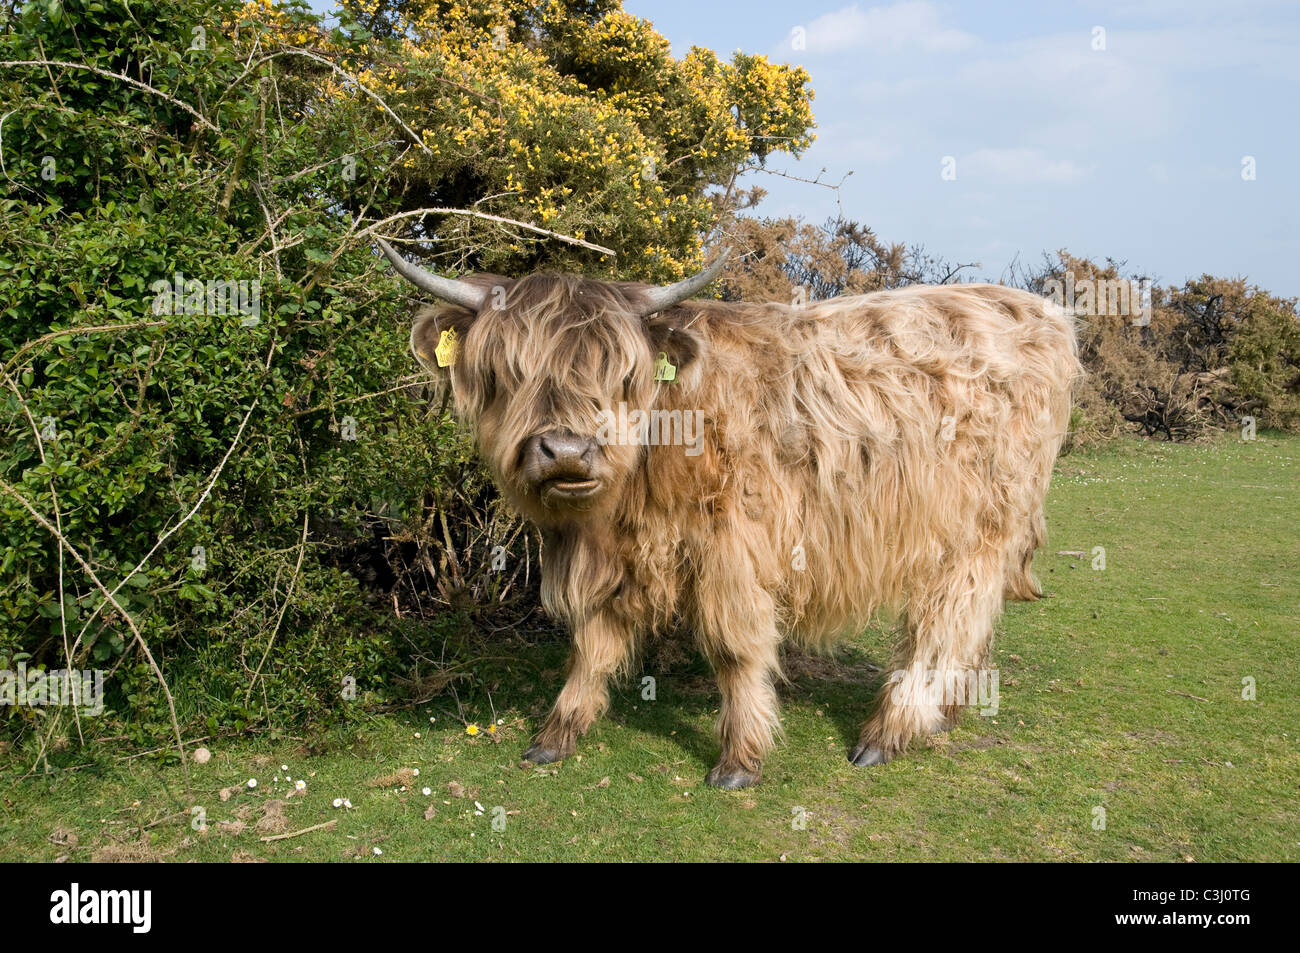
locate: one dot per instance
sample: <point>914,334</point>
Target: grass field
<point>1122,692</point>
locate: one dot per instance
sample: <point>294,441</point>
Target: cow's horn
<point>447,289</point>
<point>665,296</point>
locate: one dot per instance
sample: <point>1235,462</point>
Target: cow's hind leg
<point>1021,583</point>
<point>601,648</point>
<point>946,636</point>
<point>736,627</point>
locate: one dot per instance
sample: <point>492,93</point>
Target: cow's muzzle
<point>561,466</point>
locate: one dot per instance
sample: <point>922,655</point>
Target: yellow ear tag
<point>446,349</point>
<point>663,370</point>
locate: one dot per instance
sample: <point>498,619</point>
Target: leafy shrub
<point>260,503</point>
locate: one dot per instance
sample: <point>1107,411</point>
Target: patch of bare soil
<point>64,837</point>
<point>800,664</point>
<point>273,820</point>
<point>365,849</point>
<point>130,852</point>
<point>404,777</point>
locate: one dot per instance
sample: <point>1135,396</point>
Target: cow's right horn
<point>665,296</point>
<point>447,289</point>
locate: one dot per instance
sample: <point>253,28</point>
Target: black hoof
<point>539,755</point>
<point>864,756</point>
<point>731,779</point>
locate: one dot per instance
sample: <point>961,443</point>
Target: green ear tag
<point>665,371</point>
<point>446,349</point>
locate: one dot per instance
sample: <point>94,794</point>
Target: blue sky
<point>1133,151</point>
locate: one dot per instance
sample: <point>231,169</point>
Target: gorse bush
<point>219,470</point>
<point>1200,358</point>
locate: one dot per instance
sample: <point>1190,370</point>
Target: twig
<point>411,380</point>
<point>93,329</point>
<point>111,75</point>
<point>306,830</point>
<point>110,598</point>
<point>817,181</point>
<point>421,212</point>
<point>185,519</point>
<point>58,524</point>
<point>284,607</point>
<point>375,96</point>
<point>164,819</point>
<point>143,754</point>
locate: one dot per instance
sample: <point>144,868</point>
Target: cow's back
<point>853,445</point>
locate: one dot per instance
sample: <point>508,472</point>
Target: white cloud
<point>916,24</point>
<point>852,144</point>
<point>1156,122</point>
<point>1020,166</point>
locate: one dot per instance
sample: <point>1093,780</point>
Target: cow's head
<point>532,363</point>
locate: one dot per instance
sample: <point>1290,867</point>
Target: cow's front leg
<point>736,627</point>
<point>601,648</point>
<point>748,715</point>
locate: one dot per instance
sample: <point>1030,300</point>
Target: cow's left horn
<point>448,289</point>
<point>665,296</point>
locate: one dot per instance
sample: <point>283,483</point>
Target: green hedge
<point>271,499</point>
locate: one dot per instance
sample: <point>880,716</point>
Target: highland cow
<point>883,450</point>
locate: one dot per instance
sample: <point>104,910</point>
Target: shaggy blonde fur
<point>892,449</point>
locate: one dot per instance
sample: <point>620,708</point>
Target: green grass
<point>1123,691</point>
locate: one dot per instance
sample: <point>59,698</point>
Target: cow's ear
<point>683,346</point>
<point>427,335</point>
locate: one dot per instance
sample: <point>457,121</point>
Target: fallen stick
<point>1185,695</point>
<point>305,830</point>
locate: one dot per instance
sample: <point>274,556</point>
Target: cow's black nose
<point>563,447</point>
<point>559,454</point>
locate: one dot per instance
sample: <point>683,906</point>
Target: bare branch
<point>421,212</point>
<point>111,599</point>
<point>119,76</point>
